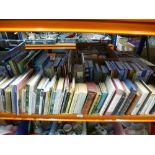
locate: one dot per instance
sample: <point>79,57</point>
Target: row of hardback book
<point>33,93</point>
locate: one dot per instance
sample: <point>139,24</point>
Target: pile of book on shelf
<point>33,93</point>
<point>76,82</point>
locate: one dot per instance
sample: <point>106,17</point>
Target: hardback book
<point>70,95</point>
<point>133,91</point>
<point>111,90</point>
<point>141,88</point>
<point>147,98</point>
<point>42,84</point>
<point>110,68</point>
<point>66,95</point>
<point>81,98</point>
<point>130,70</point>
<point>49,69</point>
<point>124,99</point>
<point>58,98</point>
<point>92,91</point>
<point>116,98</point>
<point>74,99</point>
<point>105,72</point>
<point>3,86</point>
<point>47,95</point>
<point>6,64</point>
<point>23,63</point>
<point>138,72</point>
<point>8,99</point>
<point>17,87</point>
<point>133,103</point>
<point>91,69</point>
<point>97,73</point>
<point>103,97</point>
<point>31,87</point>
<point>15,60</point>
<point>53,96</point>
<point>79,72</point>
<point>96,100</point>
<point>150,102</point>
<point>23,100</point>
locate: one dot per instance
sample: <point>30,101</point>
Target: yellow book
<point>8,99</point>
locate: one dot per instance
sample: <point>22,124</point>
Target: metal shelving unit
<point>130,27</point>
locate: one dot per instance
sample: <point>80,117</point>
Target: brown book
<point>91,86</point>
<point>133,104</point>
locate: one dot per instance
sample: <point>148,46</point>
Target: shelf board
<point>51,46</point>
<point>79,118</point>
<point>112,26</point>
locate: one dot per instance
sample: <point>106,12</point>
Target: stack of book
<point>33,93</point>
<point>20,61</point>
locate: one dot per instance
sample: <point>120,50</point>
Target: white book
<point>144,95</point>
<point>58,100</point>
<point>152,103</point>
<point>149,105</point>
<point>111,90</point>
<point>119,92</point>
<point>81,98</point>
<point>127,93</point>
<point>74,99</point>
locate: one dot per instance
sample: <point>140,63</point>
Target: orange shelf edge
<point>113,26</point>
<point>51,46</point>
<point>79,118</point>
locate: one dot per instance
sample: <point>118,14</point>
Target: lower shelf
<point>79,118</point>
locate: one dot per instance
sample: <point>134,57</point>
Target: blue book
<point>103,97</point>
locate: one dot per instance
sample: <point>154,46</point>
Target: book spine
<point>8,101</point>
<point>66,102</point>
<point>1,105</point>
<point>3,101</point>
<point>103,98</point>
<point>151,106</point>
<point>89,101</point>
<point>73,103</point>
<point>96,104</point>
<point>37,101</point>
<point>8,69</point>
<point>106,103</point>
<point>63,102</point>
<point>23,101</point>
<point>77,105</point>
<point>42,99</point>
<point>113,104</point>
<point>142,111</point>
<point>127,103</point>
<point>53,96</point>
<point>116,110</point>
<point>139,104</point>
<point>27,98</point>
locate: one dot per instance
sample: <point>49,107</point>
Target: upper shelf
<point>135,27</point>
